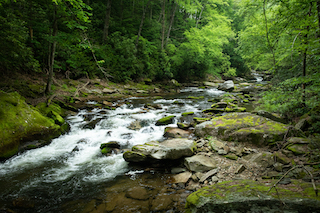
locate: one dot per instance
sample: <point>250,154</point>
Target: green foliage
<point>288,97</point>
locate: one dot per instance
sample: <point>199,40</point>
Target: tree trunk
<point>107,22</point>
<point>52,51</point>
<point>141,23</point>
<point>200,15</point>
<point>267,35</point>
<point>318,13</point>
<point>171,21</point>
<point>163,22</point>
<point>304,60</point>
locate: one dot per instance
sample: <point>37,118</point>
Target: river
<point>72,169</point>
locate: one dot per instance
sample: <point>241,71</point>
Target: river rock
<point>227,86</point>
<point>174,132</point>
<point>251,196</point>
<point>135,125</point>
<point>137,193</point>
<point>20,122</point>
<point>167,150</point>
<point>208,174</point>
<point>165,121</point>
<point>182,177</point>
<point>210,84</point>
<point>243,127</point>
<point>264,159</point>
<point>201,163</point>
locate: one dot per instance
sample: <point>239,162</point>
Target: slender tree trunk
<point>318,13</point>
<point>163,23</point>
<point>53,50</point>
<point>171,21</point>
<point>267,35</point>
<point>200,14</point>
<point>141,24</point>
<point>107,22</point>
<point>304,60</point>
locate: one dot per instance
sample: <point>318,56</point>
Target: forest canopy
<point>130,40</point>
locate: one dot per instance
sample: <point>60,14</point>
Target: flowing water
<point>72,169</point>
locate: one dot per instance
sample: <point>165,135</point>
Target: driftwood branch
<point>293,168</point>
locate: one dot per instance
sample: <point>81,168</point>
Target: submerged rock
<point>251,196</point>
<point>167,150</point>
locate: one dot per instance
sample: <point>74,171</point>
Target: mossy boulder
<point>243,127</point>
<point>165,121</point>
<point>252,196</point>
<point>20,122</point>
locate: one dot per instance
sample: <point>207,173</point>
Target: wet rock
<point>162,202</point>
<point>165,121</point>
<point>167,150</point>
<point>183,126</point>
<point>135,125</point>
<point>182,177</point>
<point>227,86</point>
<point>153,106</point>
<point>201,163</point>
<point>219,105</point>
<point>110,147</point>
<point>137,193</point>
<point>126,136</point>
<point>214,179</point>
<point>232,198</point>
<point>177,170</point>
<point>107,103</point>
<point>92,124</point>
<point>173,132</point>
<point>148,130</point>
<point>23,202</point>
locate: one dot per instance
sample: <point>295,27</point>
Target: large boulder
<point>167,150</point>
<point>251,196</point>
<point>20,122</point>
<point>227,86</point>
<point>244,127</point>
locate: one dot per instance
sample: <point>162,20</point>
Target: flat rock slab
<point>251,196</point>
<point>243,127</point>
<point>167,150</point>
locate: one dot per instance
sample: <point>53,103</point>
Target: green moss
<point>165,121</point>
<point>187,113</point>
<point>106,150</point>
<point>193,97</point>
<point>19,122</point>
<point>238,190</point>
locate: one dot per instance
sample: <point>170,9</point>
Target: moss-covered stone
<point>20,122</point>
<point>187,113</point>
<point>243,127</point>
<point>165,121</point>
<point>249,196</point>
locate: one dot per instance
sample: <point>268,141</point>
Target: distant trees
<point>125,40</point>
